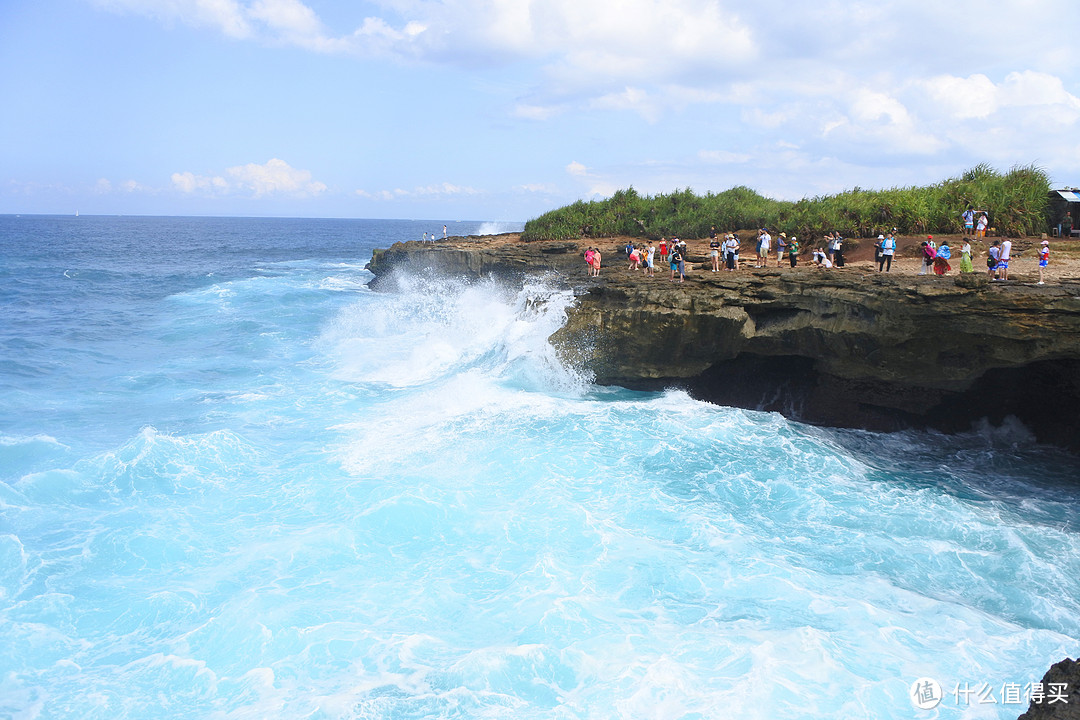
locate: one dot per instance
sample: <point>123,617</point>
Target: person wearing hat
<point>781,248</point>
<point>1044,258</point>
<point>877,250</point>
<point>888,249</point>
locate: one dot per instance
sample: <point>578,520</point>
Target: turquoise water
<point>235,483</point>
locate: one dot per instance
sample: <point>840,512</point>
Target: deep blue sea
<point>235,483</point>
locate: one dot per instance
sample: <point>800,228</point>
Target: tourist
<point>821,259</point>
<point>965,258</point>
<point>733,252</point>
<point>834,250</point>
<point>928,254</point>
<point>980,227</point>
<point>1006,255</point>
<point>684,254</point>
<point>764,241</point>
<point>650,266</point>
<point>888,249</point>
<point>793,250</point>
<point>877,249</point>
<point>781,248</point>
<point>629,248</point>
<point>676,263</point>
<point>714,250</point>
<point>941,261</point>
<point>1067,225</point>
<point>596,262</point>
<point>993,255</point>
<point>663,250</point>
<point>1044,258</point>
<point>969,225</point>
<point>443,232</point>
<point>588,260</point>
<point>635,259</point>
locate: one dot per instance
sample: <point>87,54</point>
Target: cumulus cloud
<point>275,177</point>
<point>836,80</point>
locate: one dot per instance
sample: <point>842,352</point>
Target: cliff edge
<point>845,347</point>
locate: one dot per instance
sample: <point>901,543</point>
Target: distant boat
<point>76,213</point>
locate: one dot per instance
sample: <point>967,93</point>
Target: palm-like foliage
<point>1017,202</point>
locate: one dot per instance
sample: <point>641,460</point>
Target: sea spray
<point>267,491</point>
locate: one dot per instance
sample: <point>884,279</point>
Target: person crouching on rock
<point>635,259</point>
<point>941,260</point>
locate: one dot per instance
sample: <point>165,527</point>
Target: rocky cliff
<point>849,347</point>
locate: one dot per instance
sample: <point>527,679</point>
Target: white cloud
<point>577,169</point>
<point>275,177</point>
<point>976,96</point>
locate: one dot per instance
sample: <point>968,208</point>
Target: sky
<point>504,109</point>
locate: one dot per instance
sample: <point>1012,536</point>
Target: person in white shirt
<point>888,249</point>
<point>1006,251</point>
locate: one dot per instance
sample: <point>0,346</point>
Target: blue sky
<point>503,109</point>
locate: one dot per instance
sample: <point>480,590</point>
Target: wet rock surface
<point>847,348</point>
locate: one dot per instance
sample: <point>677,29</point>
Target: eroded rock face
<point>850,348</point>
<point>1055,705</point>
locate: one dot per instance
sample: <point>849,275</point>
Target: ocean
<point>236,483</point>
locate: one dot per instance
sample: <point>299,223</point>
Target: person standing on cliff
<point>993,256</point>
<point>650,253</point>
<point>676,263</point>
<point>733,252</point>
<point>1044,259</point>
<point>793,250</point>
<point>781,248</point>
<point>969,221</point>
<point>1006,255</point>
<point>980,226</point>
<point>588,260</point>
<point>714,250</point>
<point>663,249</point>
<point>888,249</point>
<point>965,258</point>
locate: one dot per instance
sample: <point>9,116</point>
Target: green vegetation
<point>1017,203</point>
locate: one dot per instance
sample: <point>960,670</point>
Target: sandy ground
<point>1064,255</point>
